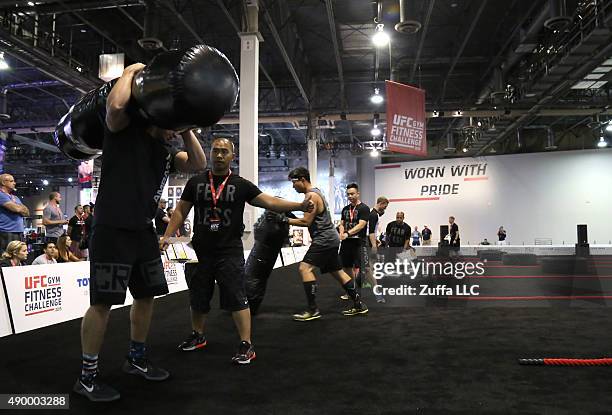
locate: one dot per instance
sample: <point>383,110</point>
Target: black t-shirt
<point>501,235</point>
<point>397,234</point>
<point>230,209</point>
<point>88,225</point>
<point>372,223</point>
<point>135,168</point>
<point>76,224</point>
<point>360,212</point>
<point>160,225</point>
<point>453,235</point>
<point>426,234</point>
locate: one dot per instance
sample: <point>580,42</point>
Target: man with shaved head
<point>12,212</point>
<point>218,197</point>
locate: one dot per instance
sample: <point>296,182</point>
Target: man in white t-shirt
<point>48,257</point>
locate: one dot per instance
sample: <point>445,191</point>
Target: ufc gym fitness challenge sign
<point>406,119</point>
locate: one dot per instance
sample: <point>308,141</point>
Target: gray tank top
<point>322,230</point>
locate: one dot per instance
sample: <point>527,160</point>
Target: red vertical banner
<point>406,119</point>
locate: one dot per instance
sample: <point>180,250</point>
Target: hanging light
<point>380,38</point>
<point>602,143</point>
<point>3,63</point>
<point>374,153</point>
<point>375,131</point>
<point>609,127</point>
<point>376,98</point>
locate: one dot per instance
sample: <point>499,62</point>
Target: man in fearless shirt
<point>353,234</point>
<point>218,197</point>
<point>397,236</point>
<point>124,248</point>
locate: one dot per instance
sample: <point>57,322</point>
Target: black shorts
<point>354,254</point>
<point>124,258</point>
<point>228,271</point>
<point>326,260</point>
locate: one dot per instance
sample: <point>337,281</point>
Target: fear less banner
<point>406,119</point>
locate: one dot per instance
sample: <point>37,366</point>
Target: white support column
<point>249,111</point>
<point>313,144</point>
<point>312,160</point>
<point>331,186</point>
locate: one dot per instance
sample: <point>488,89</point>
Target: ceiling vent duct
<point>558,19</point>
<point>406,26</point>
<point>149,40</point>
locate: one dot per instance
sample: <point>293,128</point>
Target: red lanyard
<point>352,212</point>
<point>215,195</point>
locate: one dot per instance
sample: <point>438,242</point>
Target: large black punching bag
<point>177,90</point>
<point>186,89</point>
<point>80,133</point>
<point>271,232</point>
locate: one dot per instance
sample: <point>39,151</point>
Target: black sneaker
<point>193,342</point>
<point>245,353</point>
<point>360,309</point>
<point>307,315</point>
<point>142,367</point>
<point>95,390</point>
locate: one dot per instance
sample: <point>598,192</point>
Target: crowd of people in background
<point>59,245</point>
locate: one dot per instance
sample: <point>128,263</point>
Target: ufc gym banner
<point>406,119</point>
<point>5,322</point>
<point>42,295</point>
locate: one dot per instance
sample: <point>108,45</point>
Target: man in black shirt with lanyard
<point>124,249</point>
<point>218,198</point>
<point>353,235</point>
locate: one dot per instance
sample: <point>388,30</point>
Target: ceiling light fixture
<point>374,153</point>
<point>380,38</point>
<point>376,98</point>
<point>3,63</point>
<point>602,143</point>
<point>375,131</point>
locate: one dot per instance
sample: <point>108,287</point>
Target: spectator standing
<point>426,235</point>
<point>76,231</point>
<point>12,212</point>
<point>53,218</point>
<point>416,237</point>
<point>501,235</point>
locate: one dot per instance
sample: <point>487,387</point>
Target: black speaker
<point>582,235</point>
<point>443,232</point>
